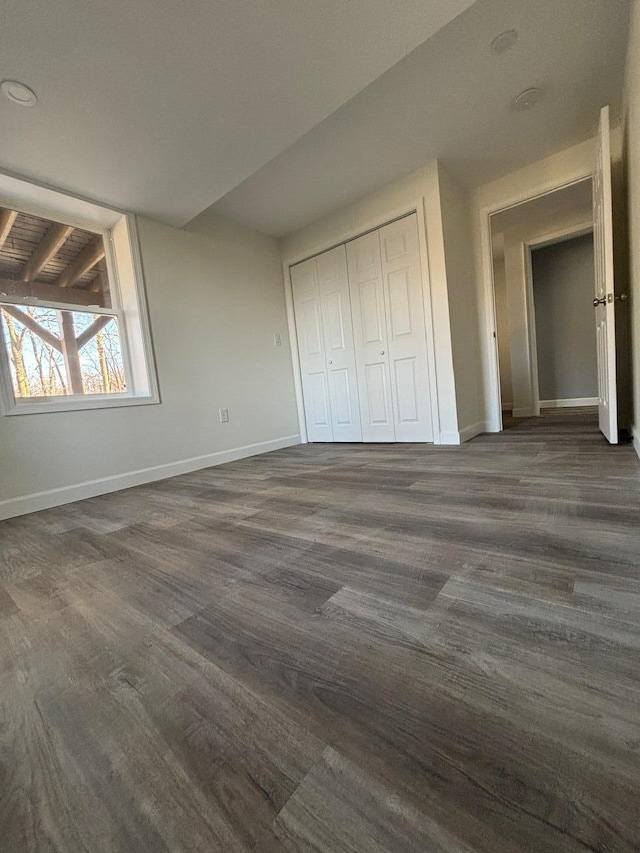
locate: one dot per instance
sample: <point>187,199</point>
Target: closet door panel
<point>335,301</point>
<point>407,343</point>
<point>370,335</point>
<point>311,350</point>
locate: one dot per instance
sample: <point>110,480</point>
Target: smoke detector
<point>18,93</point>
<point>504,42</point>
<point>527,99</point>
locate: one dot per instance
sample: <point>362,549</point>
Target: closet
<point>362,345</point>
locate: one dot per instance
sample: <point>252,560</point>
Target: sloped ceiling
<point>162,108</point>
<point>451,99</point>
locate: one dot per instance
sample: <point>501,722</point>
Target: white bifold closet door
<point>325,342</point>
<point>385,282</point>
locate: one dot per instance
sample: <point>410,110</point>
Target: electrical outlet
<point>224,416</point>
<point>277,340</point>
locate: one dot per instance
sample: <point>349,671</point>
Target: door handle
<point>330,362</point>
<point>597,301</point>
<point>622,298</point>
<point>381,352</point>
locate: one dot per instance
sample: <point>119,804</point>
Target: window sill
<point>75,404</point>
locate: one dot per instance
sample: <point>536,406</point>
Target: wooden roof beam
<point>91,331</point>
<point>7,218</point>
<point>49,292</point>
<point>46,249</point>
<point>86,260</point>
<point>33,325</point>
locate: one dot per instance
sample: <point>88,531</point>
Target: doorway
<point>543,277</point>
<point>563,286</point>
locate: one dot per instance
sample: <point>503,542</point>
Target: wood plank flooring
<point>332,648</point>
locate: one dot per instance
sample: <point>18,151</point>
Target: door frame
<point>562,235</point>
<point>494,404</point>
<point>347,236</point>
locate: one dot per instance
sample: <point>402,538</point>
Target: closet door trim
<point>416,207</point>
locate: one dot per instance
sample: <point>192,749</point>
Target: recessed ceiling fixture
<point>18,93</point>
<point>527,99</point>
<point>502,43</point>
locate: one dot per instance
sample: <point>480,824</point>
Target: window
<point>73,328</point>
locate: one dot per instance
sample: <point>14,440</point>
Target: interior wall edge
<point>23,505</point>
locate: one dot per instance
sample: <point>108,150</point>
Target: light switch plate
<point>277,340</point>
<point>224,416</point>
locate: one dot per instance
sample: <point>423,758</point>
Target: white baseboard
<point>91,488</point>
<point>465,434</point>
<point>449,437</point>
<point>568,403</point>
<point>471,431</point>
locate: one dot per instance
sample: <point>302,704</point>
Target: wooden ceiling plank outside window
<point>51,261</point>
<point>85,261</point>
<point>7,218</point>
<point>46,249</point>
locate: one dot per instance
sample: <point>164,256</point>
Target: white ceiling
<point>451,99</point>
<point>162,108</point>
<point>574,200</point>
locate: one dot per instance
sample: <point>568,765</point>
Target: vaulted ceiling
<point>451,99</point>
<point>162,108</point>
<point>275,112</point>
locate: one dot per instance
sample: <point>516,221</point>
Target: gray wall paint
<point>215,302</point>
<point>563,285</point>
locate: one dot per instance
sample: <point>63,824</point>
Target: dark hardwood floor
<point>332,648</point>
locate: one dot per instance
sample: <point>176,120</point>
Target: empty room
<point>320,426</point>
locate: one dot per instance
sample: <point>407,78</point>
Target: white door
<point>342,381</point>
<point>308,313</point>
<point>406,338</point>
<point>370,336</point>
<point>604,301</point>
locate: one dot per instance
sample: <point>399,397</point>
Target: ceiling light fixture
<point>527,99</point>
<point>504,42</point>
<point>18,93</point>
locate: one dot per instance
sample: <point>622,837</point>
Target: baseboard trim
<point>450,437</point>
<point>37,501</point>
<point>568,403</point>
<point>467,433</point>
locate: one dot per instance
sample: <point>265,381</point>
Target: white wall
<point>215,303</point>
<point>421,187</point>
<point>563,287</point>
<point>544,175</point>
<point>632,164</point>
<point>463,307</point>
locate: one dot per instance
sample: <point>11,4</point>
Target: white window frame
<point>127,291</point>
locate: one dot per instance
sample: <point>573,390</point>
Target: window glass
<point>74,328</point>
<point>53,262</point>
<point>54,352</point>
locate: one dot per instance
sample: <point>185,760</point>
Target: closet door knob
<point>330,362</point>
<point>381,352</point>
